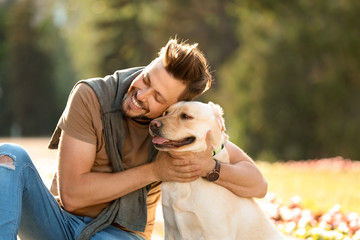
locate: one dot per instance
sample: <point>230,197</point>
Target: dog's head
<point>184,125</point>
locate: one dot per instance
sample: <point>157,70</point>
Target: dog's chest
<point>173,192</point>
<point>187,196</point>
<point>191,208</point>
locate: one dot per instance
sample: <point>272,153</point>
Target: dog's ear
<point>219,112</point>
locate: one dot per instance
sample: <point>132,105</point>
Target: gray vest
<point>129,211</point>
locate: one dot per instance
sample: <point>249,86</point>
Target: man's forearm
<point>243,179</point>
<point>94,188</point>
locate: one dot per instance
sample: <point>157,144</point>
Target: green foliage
<point>29,90</point>
<point>110,35</point>
<point>286,73</point>
<point>294,79</point>
<point>204,21</point>
<point>121,36</point>
<point>4,108</point>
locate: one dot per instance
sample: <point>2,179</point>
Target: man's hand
<point>184,166</point>
<point>170,169</point>
<point>203,159</point>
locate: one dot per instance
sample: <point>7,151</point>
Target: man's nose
<point>142,94</point>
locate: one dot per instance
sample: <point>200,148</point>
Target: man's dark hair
<point>188,64</point>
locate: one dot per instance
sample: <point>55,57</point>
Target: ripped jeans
<point>28,209</point>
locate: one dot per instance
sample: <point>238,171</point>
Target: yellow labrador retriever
<point>203,209</point>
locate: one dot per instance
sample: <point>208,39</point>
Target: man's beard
<point>141,117</point>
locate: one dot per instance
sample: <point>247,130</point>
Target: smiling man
<point>109,174</point>
<point>152,92</point>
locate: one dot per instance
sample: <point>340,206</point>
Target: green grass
<point>319,189</point>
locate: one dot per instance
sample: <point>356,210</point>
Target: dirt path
<point>43,158</point>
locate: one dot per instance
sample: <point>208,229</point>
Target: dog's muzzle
<point>160,142</point>
<point>155,127</point>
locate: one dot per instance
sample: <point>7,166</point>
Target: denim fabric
<point>27,207</point>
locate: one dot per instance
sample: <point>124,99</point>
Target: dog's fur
<point>202,209</point>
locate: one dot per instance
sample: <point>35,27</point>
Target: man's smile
<point>135,102</point>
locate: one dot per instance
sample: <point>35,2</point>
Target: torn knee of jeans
<point>7,161</point>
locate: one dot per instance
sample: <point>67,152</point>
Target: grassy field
<point>320,185</point>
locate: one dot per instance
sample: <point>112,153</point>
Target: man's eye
<point>157,98</point>
<point>146,80</point>
<point>185,116</point>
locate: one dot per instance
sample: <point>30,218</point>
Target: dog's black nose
<point>155,125</point>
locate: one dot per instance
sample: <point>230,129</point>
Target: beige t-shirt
<point>82,120</point>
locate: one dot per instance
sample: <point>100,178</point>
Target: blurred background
<point>286,72</point>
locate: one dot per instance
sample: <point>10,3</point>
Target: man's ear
<point>218,112</point>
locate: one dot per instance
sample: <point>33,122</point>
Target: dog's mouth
<point>160,142</point>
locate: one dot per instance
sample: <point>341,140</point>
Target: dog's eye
<point>185,116</point>
<point>165,113</point>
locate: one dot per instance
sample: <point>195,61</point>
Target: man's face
<point>152,92</point>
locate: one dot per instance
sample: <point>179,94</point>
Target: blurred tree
<point>108,35</point>
<point>5,110</point>
<point>207,22</point>
<point>31,92</point>
<point>286,72</point>
<point>296,79</point>
<point>54,39</point>
<point>121,35</point>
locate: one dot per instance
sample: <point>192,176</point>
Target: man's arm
<point>241,175</point>
<point>79,187</point>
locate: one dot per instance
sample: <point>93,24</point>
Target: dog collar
<point>214,152</point>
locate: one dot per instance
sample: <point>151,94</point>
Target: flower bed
<point>293,220</point>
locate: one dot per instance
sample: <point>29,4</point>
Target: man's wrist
<point>152,171</point>
<point>214,175</point>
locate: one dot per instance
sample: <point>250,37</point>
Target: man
<point>108,180</point>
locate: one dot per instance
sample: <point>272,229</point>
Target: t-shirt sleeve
<point>78,117</point>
